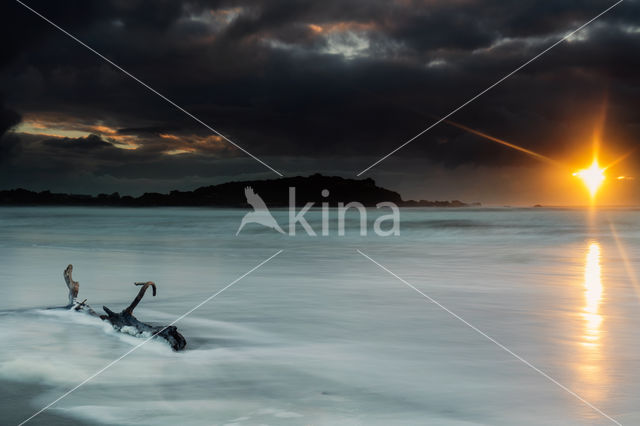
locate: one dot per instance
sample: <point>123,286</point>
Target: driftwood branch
<point>138,298</point>
<point>124,321</point>
<point>72,285</point>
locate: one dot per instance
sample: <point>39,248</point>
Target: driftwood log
<point>124,321</point>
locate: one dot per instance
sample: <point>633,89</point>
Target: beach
<point>320,334</point>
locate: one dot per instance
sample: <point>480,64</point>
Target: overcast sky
<point>320,86</point>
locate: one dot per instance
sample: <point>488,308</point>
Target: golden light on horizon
<point>593,177</point>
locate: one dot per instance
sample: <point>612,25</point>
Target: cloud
<point>78,145</point>
<point>8,119</point>
<point>9,143</point>
<point>315,80</point>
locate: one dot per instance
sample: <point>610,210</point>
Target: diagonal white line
<point>500,345</point>
<point>150,88</point>
<point>147,340</point>
<point>491,87</point>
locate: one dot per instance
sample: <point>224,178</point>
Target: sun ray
<point>533,154</point>
<point>621,158</point>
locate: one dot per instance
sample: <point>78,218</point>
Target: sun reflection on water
<point>592,377</point>
<point>592,295</point>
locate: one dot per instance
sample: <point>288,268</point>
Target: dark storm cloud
<point>150,130</point>
<point>9,143</point>
<point>316,79</point>
<point>89,143</point>
<point>8,118</point>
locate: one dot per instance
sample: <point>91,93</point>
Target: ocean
<point>527,317</point>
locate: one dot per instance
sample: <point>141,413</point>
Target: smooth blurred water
<point>320,335</point>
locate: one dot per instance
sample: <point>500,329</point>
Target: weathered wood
<point>80,305</point>
<point>72,285</point>
<point>138,298</point>
<point>74,288</point>
<point>124,321</point>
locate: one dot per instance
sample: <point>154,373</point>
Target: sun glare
<point>592,177</point>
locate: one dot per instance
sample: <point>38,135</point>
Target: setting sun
<point>592,177</point>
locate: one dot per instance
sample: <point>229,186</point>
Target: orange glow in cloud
<point>65,127</point>
<point>190,144</point>
<point>186,150</point>
<point>343,26</point>
<point>168,136</point>
<point>104,129</point>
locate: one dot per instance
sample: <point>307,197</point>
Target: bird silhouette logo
<point>260,213</point>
